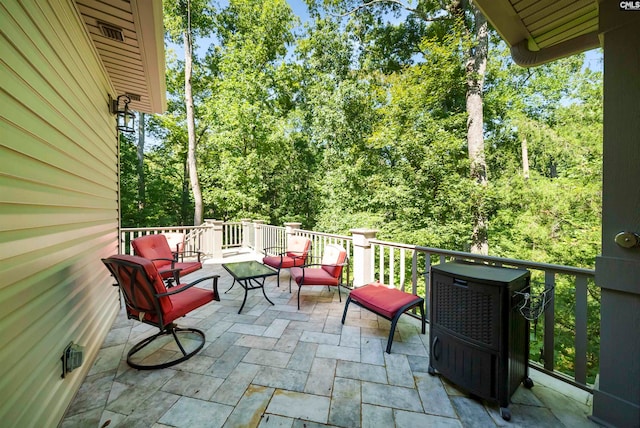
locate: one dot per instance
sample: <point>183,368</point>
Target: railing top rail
<point>392,244</point>
<point>328,235</point>
<point>512,262</point>
<point>158,229</point>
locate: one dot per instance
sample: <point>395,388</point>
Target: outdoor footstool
<point>386,301</point>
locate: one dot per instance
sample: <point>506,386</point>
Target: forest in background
<point>358,117</point>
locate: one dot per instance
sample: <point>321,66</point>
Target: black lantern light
<point>124,117</point>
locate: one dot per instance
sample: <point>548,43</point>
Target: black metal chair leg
<point>172,330</point>
<point>346,306</point>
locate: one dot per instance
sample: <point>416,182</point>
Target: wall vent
<point>111,32</point>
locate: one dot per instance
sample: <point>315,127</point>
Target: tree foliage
<point>358,119</point>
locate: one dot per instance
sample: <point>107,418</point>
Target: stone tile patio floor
<point>275,366</point>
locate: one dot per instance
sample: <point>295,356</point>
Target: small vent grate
<point>111,32</point>
<point>133,97</point>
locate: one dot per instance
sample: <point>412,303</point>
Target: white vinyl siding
<point>58,207</point>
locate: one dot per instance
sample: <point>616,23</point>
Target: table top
<point>249,270</point>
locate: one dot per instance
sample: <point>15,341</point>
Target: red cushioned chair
<point>294,255</point>
<point>177,243</point>
<point>156,248</point>
<point>148,300</point>
<point>328,272</point>
<point>386,301</point>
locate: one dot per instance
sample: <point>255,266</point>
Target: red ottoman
<point>386,301</point>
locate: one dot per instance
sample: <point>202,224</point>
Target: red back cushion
<point>153,247</point>
<point>298,247</point>
<point>333,255</point>
<point>175,240</point>
<point>140,285</point>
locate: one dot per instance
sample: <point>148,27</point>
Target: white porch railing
<point>407,267</point>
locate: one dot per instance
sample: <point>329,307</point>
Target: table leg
<point>232,284</point>
<point>245,284</point>
<point>263,292</point>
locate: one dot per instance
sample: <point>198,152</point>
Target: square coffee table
<point>250,275</point>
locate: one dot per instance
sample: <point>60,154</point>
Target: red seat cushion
<point>382,299</point>
<point>188,300</point>
<point>313,276</point>
<point>188,267</point>
<point>287,261</point>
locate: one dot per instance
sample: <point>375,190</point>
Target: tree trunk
<point>191,129</point>
<point>475,69</point>
<point>185,205</point>
<point>140,167</point>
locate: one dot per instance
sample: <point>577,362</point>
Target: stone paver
<point>345,403</point>
<point>189,412</point>
<point>291,380</point>
<point>250,409</point>
<point>320,379</point>
<point>298,405</point>
<point>391,396</point>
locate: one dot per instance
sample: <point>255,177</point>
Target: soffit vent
<point>111,32</point>
<point>133,97</point>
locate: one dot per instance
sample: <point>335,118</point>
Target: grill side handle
<point>435,348</point>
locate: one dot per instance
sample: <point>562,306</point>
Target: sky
<point>593,60</point>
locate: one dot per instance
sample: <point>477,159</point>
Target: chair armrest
<point>175,274</point>
<point>311,257</point>
<point>307,265</point>
<point>191,253</point>
<point>280,250</point>
<point>183,287</point>
<point>298,254</point>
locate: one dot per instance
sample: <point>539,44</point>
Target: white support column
<point>207,238</point>
<point>215,238</point>
<point>362,256</point>
<point>290,229</point>
<point>246,229</point>
<point>257,229</point>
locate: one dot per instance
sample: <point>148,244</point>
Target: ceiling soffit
<point>539,31</point>
<point>128,36</point>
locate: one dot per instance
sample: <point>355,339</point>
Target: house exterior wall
<point>58,207</point>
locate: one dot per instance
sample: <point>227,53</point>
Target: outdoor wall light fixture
<point>124,117</point>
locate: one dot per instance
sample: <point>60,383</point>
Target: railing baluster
<point>581,330</point>
<point>549,323</point>
<point>372,262</point>
<point>392,276</point>
<point>414,272</point>
<point>402,269</point>
<point>381,266</point>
